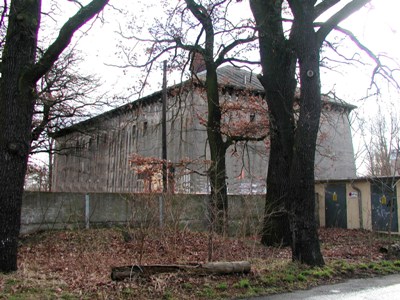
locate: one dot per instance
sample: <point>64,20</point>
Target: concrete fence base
<point>46,211</point>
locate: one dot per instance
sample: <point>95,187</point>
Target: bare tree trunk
<point>16,109</point>
<point>217,170</point>
<point>278,64</point>
<point>302,46</point>
<point>301,198</point>
<point>291,166</point>
<point>19,74</point>
<point>276,230</point>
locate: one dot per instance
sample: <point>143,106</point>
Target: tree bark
<point>278,64</point>
<point>290,181</point>
<point>16,108</point>
<point>217,170</point>
<point>218,207</point>
<point>19,74</point>
<point>276,230</point>
<point>301,199</point>
<point>298,145</point>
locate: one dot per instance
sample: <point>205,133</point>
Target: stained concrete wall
<point>44,211</point>
<point>95,157</point>
<point>66,210</point>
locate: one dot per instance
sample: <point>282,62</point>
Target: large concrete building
<point>94,155</point>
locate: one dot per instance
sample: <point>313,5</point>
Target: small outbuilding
<point>369,203</point>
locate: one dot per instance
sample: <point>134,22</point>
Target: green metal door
<point>335,205</point>
<point>384,206</point>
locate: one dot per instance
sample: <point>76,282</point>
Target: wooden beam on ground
<point>220,268</point>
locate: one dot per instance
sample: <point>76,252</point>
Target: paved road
<point>378,288</point>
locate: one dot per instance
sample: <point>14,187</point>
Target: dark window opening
<point>144,127</point>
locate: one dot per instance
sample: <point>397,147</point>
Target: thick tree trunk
<point>19,74</point>
<point>291,166</point>
<point>217,171</point>
<point>303,46</point>
<point>301,200</point>
<point>278,65</point>
<point>276,230</point>
<point>16,108</point>
<point>218,196</point>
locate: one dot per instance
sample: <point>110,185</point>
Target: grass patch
<point>168,296</point>
<point>397,263</point>
<point>290,278</point>
<point>243,284</point>
<point>269,280</point>
<point>187,286</point>
<point>325,272</point>
<point>207,292</point>
<point>301,277</point>
<point>222,286</point>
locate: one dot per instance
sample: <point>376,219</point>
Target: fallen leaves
<point>79,262</point>
<point>351,244</point>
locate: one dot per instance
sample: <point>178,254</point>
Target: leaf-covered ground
<point>77,264</point>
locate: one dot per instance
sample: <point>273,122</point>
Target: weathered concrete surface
<point>44,211</point>
<point>94,155</point>
<point>41,211</point>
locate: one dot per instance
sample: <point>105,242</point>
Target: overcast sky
<point>377,26</point>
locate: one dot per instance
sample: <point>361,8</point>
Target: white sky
<point>377,26</point>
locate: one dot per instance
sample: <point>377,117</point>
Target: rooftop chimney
<point>197,64</point>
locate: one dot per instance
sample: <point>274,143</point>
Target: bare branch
<point>247,138</point>
<point>338,17</point>
<point>380,68</point>
<point>355,57</point>
<point>200,12</point>
<point>323,7</point>
<point>242,61</point>
<point>74,23</point>
<point>190,48</point>
<point>225,50</point>
<point>204,18</point>
<point>76,2</point>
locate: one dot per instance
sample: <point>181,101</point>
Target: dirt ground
<point>77,264</point>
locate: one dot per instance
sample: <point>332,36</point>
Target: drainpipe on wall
<point>395,185</point>
<point>360,210</point>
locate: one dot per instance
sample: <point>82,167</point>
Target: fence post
<point>87,211</point>
<point>161,208</point>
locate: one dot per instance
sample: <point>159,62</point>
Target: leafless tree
<point>381,143</point>
<point>21,69</point>
<point>64,97</point>
<point>291,40</point>
<point>201,34</point>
